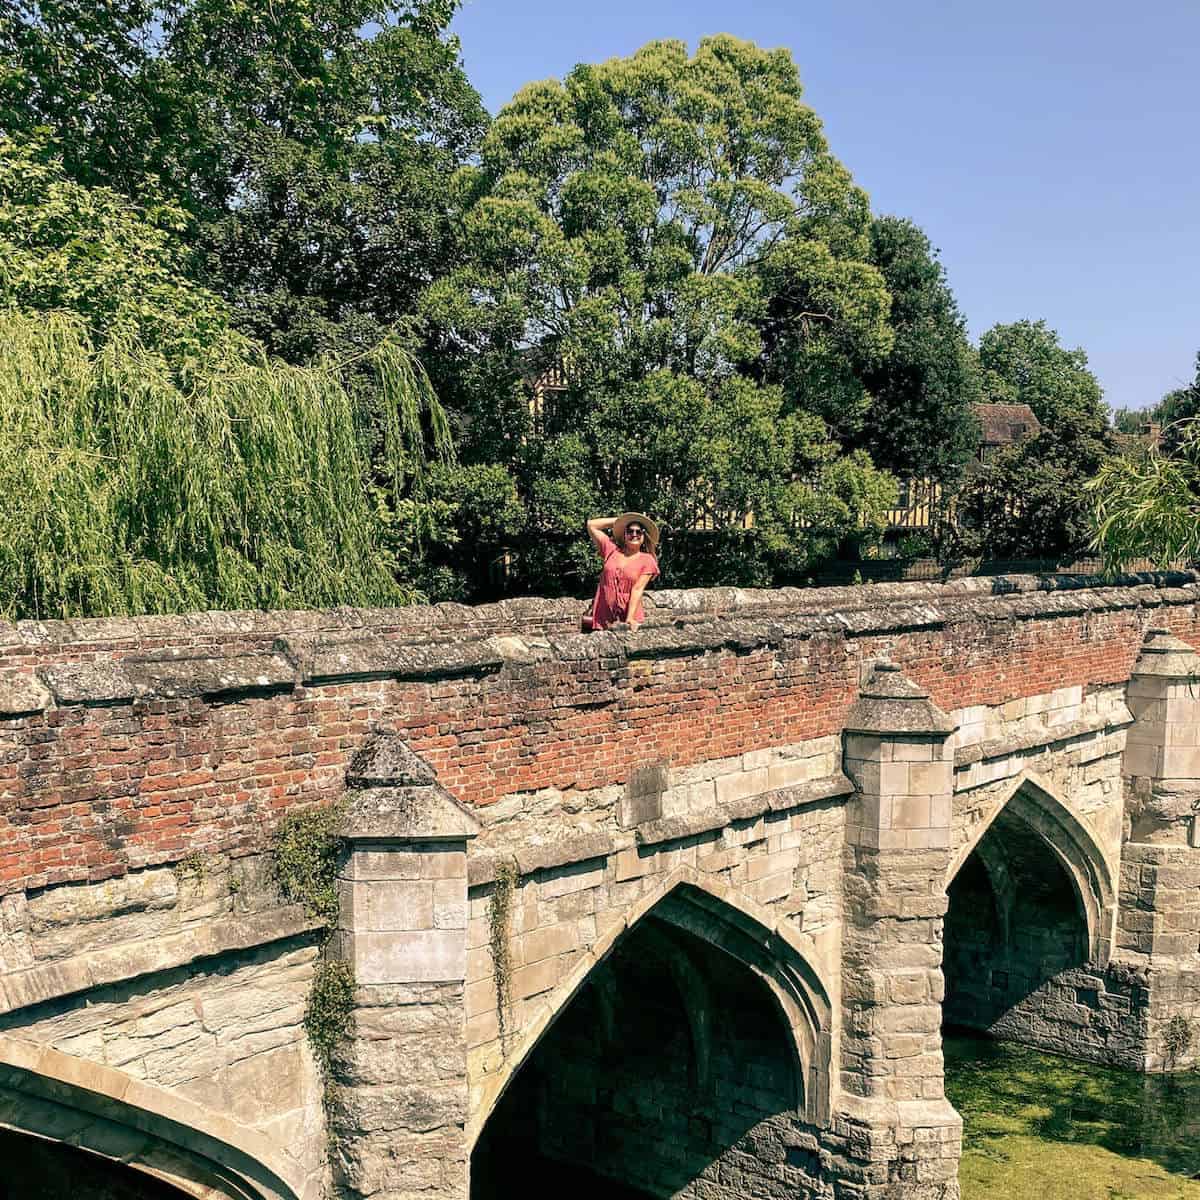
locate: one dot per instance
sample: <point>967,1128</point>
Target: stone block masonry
<point>786,798</point>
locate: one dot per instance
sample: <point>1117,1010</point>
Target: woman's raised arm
<point>596,527</point>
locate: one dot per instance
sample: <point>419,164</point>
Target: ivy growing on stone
<point>1177,1040</point>
<point>499,918</point>
<point>304,854</point>
<point>329,1010</point>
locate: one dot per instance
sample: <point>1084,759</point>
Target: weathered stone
<point>95,683</point>
<point>378,658</point>
<point>182,675</point>
<point>386,761</point>
<point>396,814</point>
<point>890,703</point>
<point>21,694</point>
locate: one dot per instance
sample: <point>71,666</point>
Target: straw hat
<point>648,525</point>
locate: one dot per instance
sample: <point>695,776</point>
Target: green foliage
<point>329,1010</point>
<point>921,424</point>
<point>304,855</point>
<point>499,931</point>
<point>192,870</point>
<point>1130,420</point>
<point>309,141</point>
<point>1023,363</point>
<point>631,223</point>
<point>1030,500</point>
<point>231,484</point>
<point>1148,505</point>
<point>89,251</point>
<point>456,531</point>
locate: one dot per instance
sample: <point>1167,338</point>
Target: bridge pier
<point>897,1135</point>
<point>397,1105</point>
<point>1158,924</point>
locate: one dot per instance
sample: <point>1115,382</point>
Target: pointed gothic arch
<point>57,1097</point>
<point>1034,802</point>
<point>747,933</point>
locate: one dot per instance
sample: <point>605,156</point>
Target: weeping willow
<point>133,487</point>
<point>1148,505</point>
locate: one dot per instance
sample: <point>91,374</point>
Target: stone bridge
<point>673,913</point>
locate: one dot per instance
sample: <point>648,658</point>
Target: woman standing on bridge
<point>629,564</point>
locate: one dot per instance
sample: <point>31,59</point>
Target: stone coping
<point>113,661</point>
<point>132,960</point>
<point>1038,738</point>
<point>429,622</point>
<point>587,847</point>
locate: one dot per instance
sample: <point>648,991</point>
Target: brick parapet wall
<point>135,742</point>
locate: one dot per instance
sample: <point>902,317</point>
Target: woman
<point>629,564</point>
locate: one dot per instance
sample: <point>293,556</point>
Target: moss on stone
<point>499,919</point>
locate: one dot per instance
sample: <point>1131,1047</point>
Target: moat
<point>1037,1125</point>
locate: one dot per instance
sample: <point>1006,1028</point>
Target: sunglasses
<point>636,530</point>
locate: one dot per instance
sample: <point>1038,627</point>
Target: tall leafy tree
<point>658,225</point>
<point>1030,500</point>
<point>308,141</point>
<point>921,423</point>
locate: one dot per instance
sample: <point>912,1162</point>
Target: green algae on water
<point>1040,1127</point>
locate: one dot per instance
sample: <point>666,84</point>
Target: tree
<point>1130,420</point>
<point>1030,500</point>
<point>921,422</point>
<point>631,223</point>
<point>308,141</point>
<point>91,252</point>
<point>153,459</point>
<point>1174,411</point>
<point>1023,363</point>
<point>1148,505</point>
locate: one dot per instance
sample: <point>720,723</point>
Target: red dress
<point>621,571</point>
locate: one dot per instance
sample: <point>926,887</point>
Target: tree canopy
<point>1030,500</point>
<point>153,458</point>
<point>674,232</point>
<point>647,285</point>
<point>921,419</point>
<point>307,141</point>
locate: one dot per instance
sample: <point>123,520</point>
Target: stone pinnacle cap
<point>1164,654</point>
<point>891,703</point>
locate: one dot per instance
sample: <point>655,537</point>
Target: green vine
<point>329,1010</point>
<point>192,870</point>
<point>499,918</point>
<point>305,854</point>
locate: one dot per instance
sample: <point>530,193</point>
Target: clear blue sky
<point>1051,149</point>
